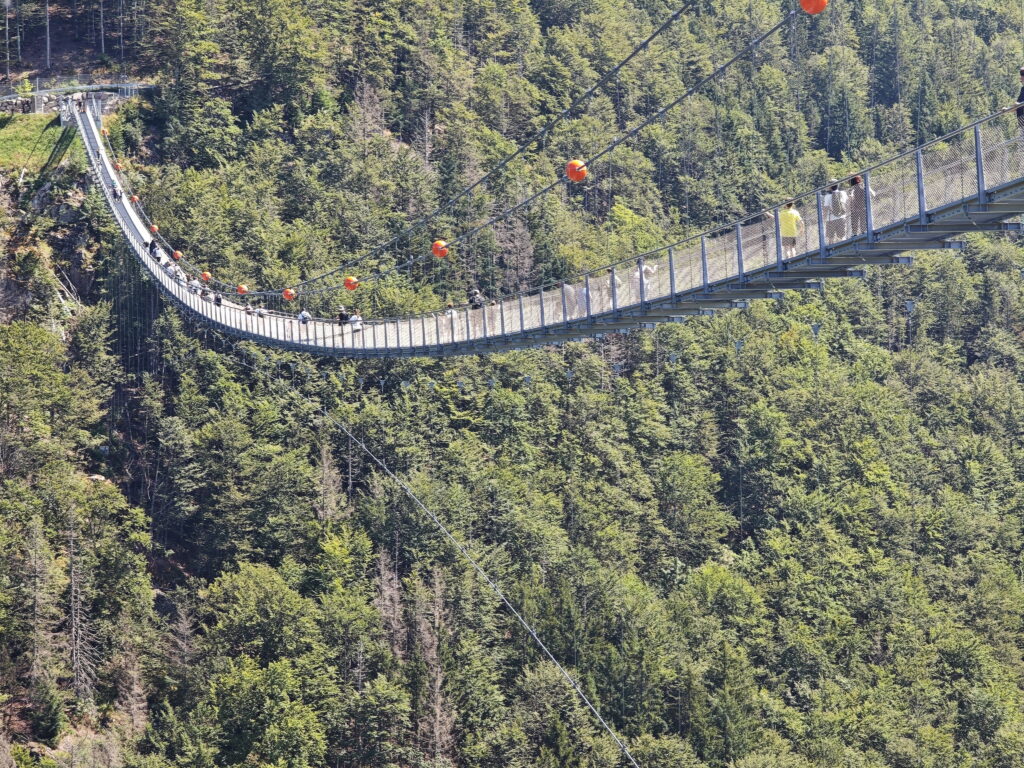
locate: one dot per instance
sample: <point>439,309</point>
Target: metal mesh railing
<point>902,190</point>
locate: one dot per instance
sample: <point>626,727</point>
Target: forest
<point>787,536</point>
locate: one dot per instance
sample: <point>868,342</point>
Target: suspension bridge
<point>971,180</point>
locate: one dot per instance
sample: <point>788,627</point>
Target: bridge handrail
<point>73,87</point>
<point>726,229</point>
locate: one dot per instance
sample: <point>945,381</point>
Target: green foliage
<point>803,552</point>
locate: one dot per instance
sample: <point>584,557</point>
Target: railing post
<point>501,316</point>
<point>922,204</point>
<point>641,281</point>
<point>615,292</point>
<point>778,240</point>
<point>739,250</point>
<point>483,315</point>
<point>979,161</point>
<point>868,207</point>
<point>469,326</point>
<point>451,318</point>
<point>822,249</point>
<point>704,262</point>
<point>586,295</point>
<point>565,307</point>
<point>522,314</point>
<point>671,272</point>
<point>437,330</point>
<point>540,298</point>
<point>386,345</point>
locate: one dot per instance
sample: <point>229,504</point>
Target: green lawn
<point>26,141</point>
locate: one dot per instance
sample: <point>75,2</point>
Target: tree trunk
<point>83,660</point>
<point>103,44</point>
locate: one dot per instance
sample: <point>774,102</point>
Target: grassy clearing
<point>26,141</point>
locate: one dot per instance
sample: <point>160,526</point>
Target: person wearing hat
<point>836,205</point>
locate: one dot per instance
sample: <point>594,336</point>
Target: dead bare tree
<point>81,641</point>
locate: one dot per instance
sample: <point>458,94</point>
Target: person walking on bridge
<point>791,226</point>
<point>1020,101</point>
<point>859,206</point>
<point>836,205</point>
<point>355,320</point>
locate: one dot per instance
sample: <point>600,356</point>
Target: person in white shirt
<point>355,320</point>
<point>836,205</point>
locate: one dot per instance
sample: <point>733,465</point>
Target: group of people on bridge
<point>845,212</point>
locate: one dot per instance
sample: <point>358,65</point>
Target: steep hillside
<point>788,536</point>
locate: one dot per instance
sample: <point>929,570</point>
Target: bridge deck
<point>971,181</point>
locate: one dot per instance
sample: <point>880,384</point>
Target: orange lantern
<point>576,170</point>
<point>134,198</point>
<point>288,294</point>
<point>118,167</point>
<point>351,282</point>
<point>242,290</point>
<point>154,228</point>
<point>177,255</point>
<point>440,248</point>
<point>813,7</point>
<point>206,277</point>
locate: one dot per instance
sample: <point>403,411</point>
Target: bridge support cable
<point>506,161</point>
<point>472,561</point>
<point>611,147</point>
<point>462,550</point>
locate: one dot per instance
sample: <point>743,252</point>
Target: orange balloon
<point>134,198</point>
<point>206,276</point>
<point>813,7</point>
<point>104,131</point>
<point>288,294</point>
<point>242,290</point>
<point>177,255</point>
<point>351,282</point>
<point>576,170</point>
<point>118,167</point>
<point>154,228</point>
<point>440,248</point>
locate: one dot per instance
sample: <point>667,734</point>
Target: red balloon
<point>351,282</point>
<point>814,7</point>
<point>288,294</point>
<point>154,228</point>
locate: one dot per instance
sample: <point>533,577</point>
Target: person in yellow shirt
<point>791,226</point>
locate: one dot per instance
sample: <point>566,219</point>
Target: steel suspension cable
<point>464,552</point>
<point>504,163</point>
<point>611,147</point>
<point>494,587</point>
